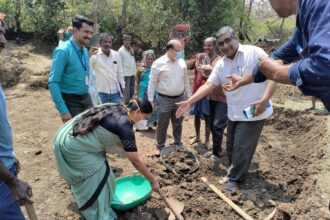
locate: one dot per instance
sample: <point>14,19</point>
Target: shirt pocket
<point>165,74</point>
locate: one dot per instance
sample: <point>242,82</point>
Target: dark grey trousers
<point>129,88</point>
<point>242,140</point>
<point>218,123</point>
<point>166,109</point>
<point>77,103</point>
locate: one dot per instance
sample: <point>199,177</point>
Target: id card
<point>86,80</point>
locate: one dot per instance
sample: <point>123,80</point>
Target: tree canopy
<point>148,20</point>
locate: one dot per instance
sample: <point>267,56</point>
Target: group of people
<point>223,91</point>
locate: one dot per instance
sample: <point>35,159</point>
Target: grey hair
<point>126,36</point>
<point>226,29</point>
<point>105,35</point>
<point>148,53</point>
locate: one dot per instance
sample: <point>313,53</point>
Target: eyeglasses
<point>176,50</point>
<point>227,41</point>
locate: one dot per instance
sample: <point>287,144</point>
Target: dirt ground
<point>286,168</point>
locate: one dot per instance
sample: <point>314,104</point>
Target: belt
<point>76,96</point>
<point>171,97</point>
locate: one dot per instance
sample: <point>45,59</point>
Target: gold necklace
<point>129,114</point>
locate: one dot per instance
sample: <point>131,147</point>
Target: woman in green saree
<point>80,147</point>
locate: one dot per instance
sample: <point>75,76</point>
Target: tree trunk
<point>122,20</point>
<point>243,23</point>
<point>94,17</point>
<point>17,15</point>
<point>281,29</point>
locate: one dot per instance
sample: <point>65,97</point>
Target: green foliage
<point>149,20</point>
<point>149,23</point>
<point>7,7</point>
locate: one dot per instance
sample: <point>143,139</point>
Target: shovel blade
<point>177,206</point>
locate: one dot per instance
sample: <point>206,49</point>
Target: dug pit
<point>180,161</point>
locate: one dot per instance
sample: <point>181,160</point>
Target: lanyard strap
<point>84,65</point>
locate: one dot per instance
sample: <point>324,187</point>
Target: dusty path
<point>289,166</point>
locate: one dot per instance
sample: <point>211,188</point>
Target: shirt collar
<point>168,60</point>
<point>101,52</point>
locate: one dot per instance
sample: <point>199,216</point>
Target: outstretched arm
<point>203,91</point>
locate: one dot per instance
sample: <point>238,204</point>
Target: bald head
<point>172,48</point>
<point>211,40</point>
<point>174,44</point>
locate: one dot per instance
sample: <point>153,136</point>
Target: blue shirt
<point>311,72</point>
<point>6,138</point>
<point>70,66</point>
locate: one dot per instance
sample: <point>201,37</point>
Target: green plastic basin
<point>130,192</point>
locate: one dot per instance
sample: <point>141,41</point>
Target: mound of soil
<point>181,161</point>
<point>19,65</point>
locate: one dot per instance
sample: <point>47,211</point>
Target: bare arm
<point>120,75</point>
<point>141,167</point>
<point>203,91</point>
<point>262,103</point>
<point>20,190</point>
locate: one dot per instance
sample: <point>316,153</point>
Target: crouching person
<point>80,149</point>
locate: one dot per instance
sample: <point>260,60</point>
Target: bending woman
<point>80,148</point>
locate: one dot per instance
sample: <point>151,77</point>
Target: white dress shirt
<point>108,71</point>
<point>127,61</point>
<point>168,78</point>
<point>245,60</point>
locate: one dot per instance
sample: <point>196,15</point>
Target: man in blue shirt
<point>69,74</point>
<point>12,191</point>
<point>309,47</point>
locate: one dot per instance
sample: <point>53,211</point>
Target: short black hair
<point>78,20</point>
<point>169,46</point>
<point>143,104</point>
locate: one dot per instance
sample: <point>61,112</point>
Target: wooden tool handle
<point>30,211</point>
<point>178,216</point>
<point>227,200</point>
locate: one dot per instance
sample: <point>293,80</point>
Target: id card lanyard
<point>83,62</point>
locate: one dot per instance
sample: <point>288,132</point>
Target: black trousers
<point>77,103</point>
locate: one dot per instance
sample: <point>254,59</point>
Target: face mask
<point>179,55</point>
<point>141,125</point>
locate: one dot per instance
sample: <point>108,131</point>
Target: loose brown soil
<point>284,168</point>
<point>181,161</point>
